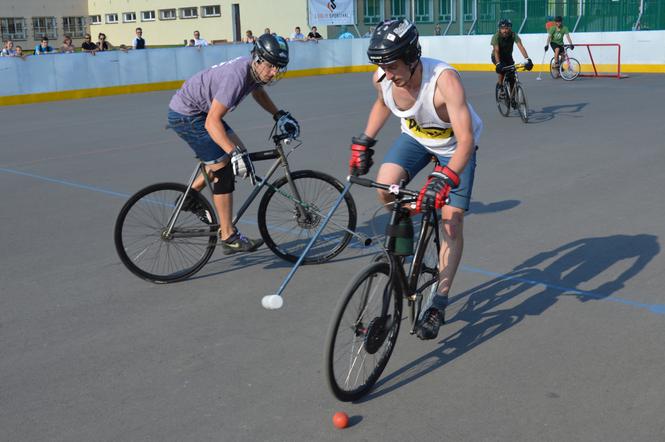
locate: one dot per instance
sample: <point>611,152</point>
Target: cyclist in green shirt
<point>555,38</point>
<point>502,49</point>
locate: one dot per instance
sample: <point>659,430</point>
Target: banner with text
<point>331,12</point>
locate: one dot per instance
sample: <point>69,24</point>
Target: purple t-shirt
<point>228,82</point>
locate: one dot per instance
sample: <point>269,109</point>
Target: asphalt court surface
<point>555,331</point>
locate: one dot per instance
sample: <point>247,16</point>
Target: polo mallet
<point>541,66</point>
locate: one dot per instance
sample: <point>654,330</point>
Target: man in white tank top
<point>428,97</point>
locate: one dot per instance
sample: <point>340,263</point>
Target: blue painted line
<point>653,308</point>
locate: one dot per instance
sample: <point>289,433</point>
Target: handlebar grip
<point>362,181</point>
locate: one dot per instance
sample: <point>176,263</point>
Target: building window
<point>447,11</point>
<point>167,14</point>
<point>211,11</point>
<point>111,18</point>
<point>188,13</point>
<point>399,9</point>
<point>95,19</point>
<point>128,17</point>
<point>147,15</point>
<point>44,26</point>
<point>13,28</point>
<point>74,26</point>
<point>373,11</point>
<point>424,11</point>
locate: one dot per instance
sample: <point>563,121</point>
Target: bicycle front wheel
<point>502,96</point>
<point>360,339</point>
<point>570,69</point>
<point>522,105</point>
<point>287,223</point>
<point>144,244</point>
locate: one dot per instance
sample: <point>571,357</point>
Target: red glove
<point>361,155</point>
<point>434,194</point>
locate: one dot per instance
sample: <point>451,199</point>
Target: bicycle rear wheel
<point>570,69</point>
<point>554,69</point>
<point>502,97</point>
<point>522,105</point>
<point>143,244</point>
<point>360,340</point>
<point>287,230</point>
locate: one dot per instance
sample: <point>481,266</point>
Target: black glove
<point>434,194</point>
<point>546,47</point>
<point>571,47</point>
<point>499,68</point>
<point>361,155</point>
<point>286,123</point>
<point>528,65</point>
<point>242,165</point>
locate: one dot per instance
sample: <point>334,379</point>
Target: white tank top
<point>421,121</point>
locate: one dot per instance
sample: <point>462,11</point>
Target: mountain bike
<point>167,232</point>
<point>565,67</point>
<point>366,322</point>
<point>511,94</point>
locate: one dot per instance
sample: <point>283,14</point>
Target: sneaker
<point>428,328</point>
<point>502,93</point>
<point>193,205</point>
<point>239,243</point>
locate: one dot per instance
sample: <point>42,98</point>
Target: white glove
<point>287,124</point>
<point>242,165</point>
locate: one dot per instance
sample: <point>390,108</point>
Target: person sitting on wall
<point>198,41</point>
<point>43,47</point>
<point>249,37</point>
<point>8,49</point>
<point>191,43</point>
<point>67,46</point>
<point>139,41</point>
<point>297,35</point>
<point>103,44</point>
<point>314,34</point>
<point>19,52</point>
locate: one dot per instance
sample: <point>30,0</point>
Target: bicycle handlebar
<point>393,189</point>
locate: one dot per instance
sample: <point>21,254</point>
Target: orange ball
<point>340,420</point>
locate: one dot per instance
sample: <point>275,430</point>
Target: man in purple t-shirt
<point>196,113</point>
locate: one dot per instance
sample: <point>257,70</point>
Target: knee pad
<point>223,180</point>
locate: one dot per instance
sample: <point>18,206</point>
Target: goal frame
<point>595,73</point>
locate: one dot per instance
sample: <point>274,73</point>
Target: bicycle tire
<point>362,299</point>
<point>570,69</point>
<point>143,249</point>
<point>522,104</point>
<point>554,69</point>
<point>286,232</point>
<point>503,104</point>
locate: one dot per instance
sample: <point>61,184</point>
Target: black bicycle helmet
<point>505,23</point>
<point>272,49</point>
<point>394,40</point>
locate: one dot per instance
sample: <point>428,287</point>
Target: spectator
<point>314,34</point>
<point>43,47</point>
<point>19,52</point>
<point>368,34</point>
<point>139,41</point>
<point>345,34</point>
<point>266,31</point>
<point>103,44</point>
<point>549,23</point>
<point>88,45</point>
<point>198,41</point>
<point>249,37</point>
<point>8,50</point>
<point>297,35</point>
<point>67,46</point>
<point>191,43</point>
<point>437,29</point>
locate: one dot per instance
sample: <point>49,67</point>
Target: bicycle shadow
<point>559,272</point>
<point>550,112</point>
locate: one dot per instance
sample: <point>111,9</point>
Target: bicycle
<point>565,67</point>
<point>512,97</point>
<point>367,319</point>
<point>167,232</point>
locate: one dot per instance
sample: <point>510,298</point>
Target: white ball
<point>272,302</point>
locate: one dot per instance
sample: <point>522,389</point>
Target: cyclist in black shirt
<point>502,45</point>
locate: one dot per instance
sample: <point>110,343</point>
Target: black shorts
<point>507,61</point>
<point>554,46</point>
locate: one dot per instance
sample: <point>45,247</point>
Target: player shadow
<point>495,306</point>
<point>550,112</point>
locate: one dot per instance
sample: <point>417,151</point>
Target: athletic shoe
<point>428,328</point>
<point>239,243</point>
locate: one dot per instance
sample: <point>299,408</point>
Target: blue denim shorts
<point>191,128</point>
<point>413,157</point>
